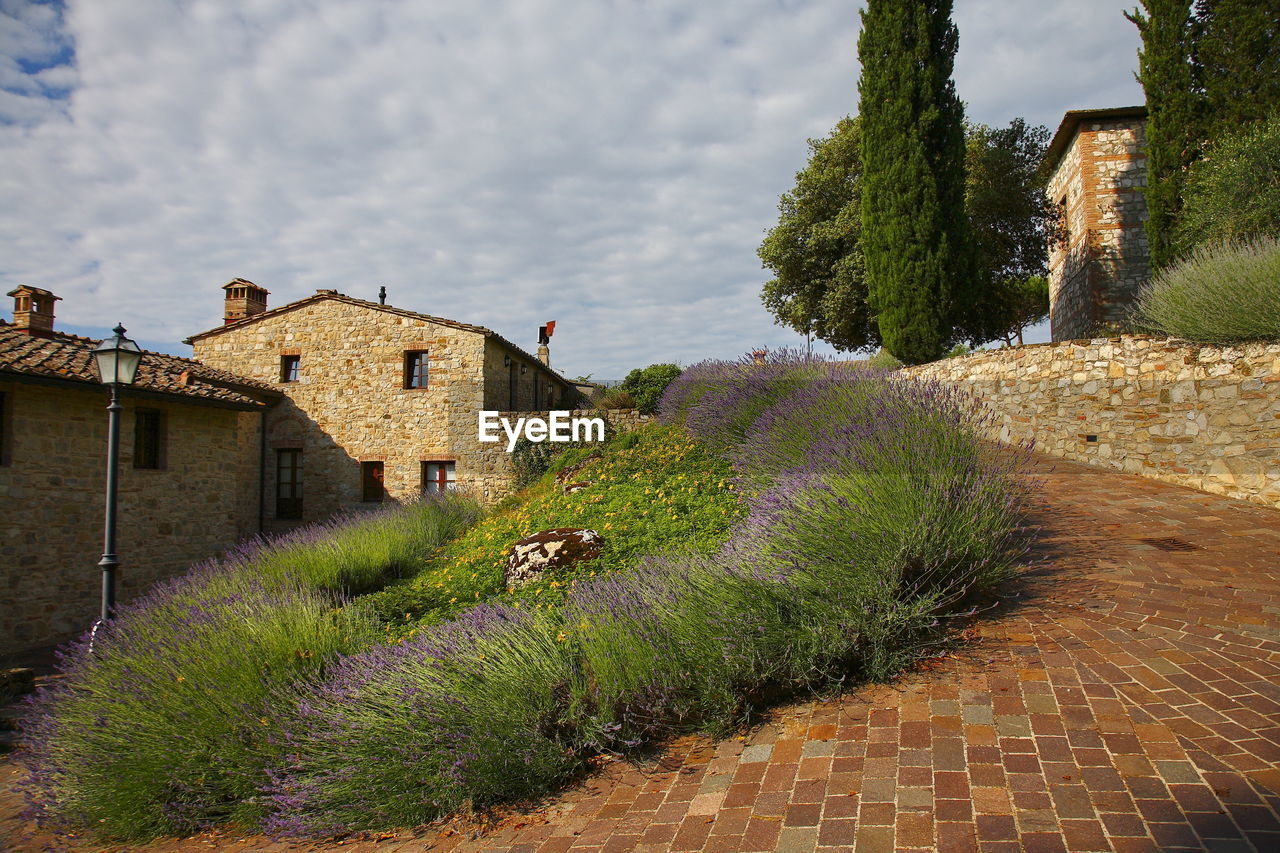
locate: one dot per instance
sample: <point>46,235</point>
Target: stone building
<point>379,402</point>
<point>1097,170</point>
<point>190,450</point>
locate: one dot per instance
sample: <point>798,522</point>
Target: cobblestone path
<point>1127,699</point>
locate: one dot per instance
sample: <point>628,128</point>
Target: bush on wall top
<point>1223,293</point>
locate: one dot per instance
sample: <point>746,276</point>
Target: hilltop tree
<point>913,228</point>
<point>819,286</point>
<point>1174,133</point>
<point>1010,219</point>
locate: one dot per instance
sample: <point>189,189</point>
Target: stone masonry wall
<point>1200,416</point>
<point>52,489</point>
<point>1095,275</point>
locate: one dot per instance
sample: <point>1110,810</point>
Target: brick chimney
<point>244,299</point>
<point>33,310</point>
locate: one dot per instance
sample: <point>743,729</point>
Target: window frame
<point>290,507</point>
<point>417,369</point>
<point>373,471</point>
<point>152,455</point>
<point>290,368</point>
<point>446,481</point>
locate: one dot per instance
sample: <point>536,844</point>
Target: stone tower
<point>1097,165</point>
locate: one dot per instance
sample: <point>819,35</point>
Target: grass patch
<point>651,490</point>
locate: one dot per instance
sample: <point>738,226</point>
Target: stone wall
<point>1096,272</point>
<point>52,485</point>
<point>1199,416</point>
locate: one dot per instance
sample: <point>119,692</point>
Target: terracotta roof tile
<point>70,357</point>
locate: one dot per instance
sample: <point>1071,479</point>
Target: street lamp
<point>117,359</point>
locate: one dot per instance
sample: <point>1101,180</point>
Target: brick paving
<point>1126,699</point>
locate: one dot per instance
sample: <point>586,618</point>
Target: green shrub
<point>1223,293</point>
<point>1233,192</point>
<point>884,360</point>
<point>616,399</point>
<point>646,384</point>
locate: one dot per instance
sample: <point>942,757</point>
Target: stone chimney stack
<point>244,299</point>
<point>33,310</point>
<point>544,338</point>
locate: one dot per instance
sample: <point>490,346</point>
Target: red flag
<point>551,328</point>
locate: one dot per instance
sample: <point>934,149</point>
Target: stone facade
<point>349,404</point>
<point>201,500</point>
<point>1200,416</point>
<point>1097,268</point>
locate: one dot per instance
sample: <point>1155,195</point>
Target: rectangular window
<point>513,383</point>
<point>289,365</point>
<point>148,439</point>
<point>415,369</point>
<point>289,483</point>
<point>371,482</point>
<point>437,476</point>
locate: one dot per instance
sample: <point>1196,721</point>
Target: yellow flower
<point>561,636</point>
<point>452,600</point>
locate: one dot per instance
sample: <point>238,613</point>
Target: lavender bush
<point>167,722</point>
<point>875,513</point>
<point>467,711</point>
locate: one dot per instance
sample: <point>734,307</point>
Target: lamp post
<point>118,359</point>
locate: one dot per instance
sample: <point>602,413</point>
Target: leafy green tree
<point>914,238</point>
<point>1174,115</point>
<point>1010,219</point>
<point>1022,303</point>
<point>646,384</point>
<point>1233,193</point>
<point>820,286</point>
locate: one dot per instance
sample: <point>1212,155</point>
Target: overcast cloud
<point>609,164</point>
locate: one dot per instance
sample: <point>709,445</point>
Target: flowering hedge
<point>168,720</point>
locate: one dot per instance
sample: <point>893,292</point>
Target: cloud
<point>610,164</point>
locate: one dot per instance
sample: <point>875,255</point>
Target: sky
<point>608,164</point>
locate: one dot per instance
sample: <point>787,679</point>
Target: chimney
<point>33,310</point>
<point>244,299</point>
<point>544,338</point>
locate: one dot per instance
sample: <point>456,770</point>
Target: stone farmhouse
<point>378,402</point>
<point>286,416</point>
<point>1097,169</point>
<point>189,472</point>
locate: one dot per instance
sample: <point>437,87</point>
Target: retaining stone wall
<point>1201,416</point>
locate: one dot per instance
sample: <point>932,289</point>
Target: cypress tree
<point>1174,137</point>
<point>1237,60</point>
<point>913,221</point>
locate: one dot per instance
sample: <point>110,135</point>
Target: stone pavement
<point>1127,699</point>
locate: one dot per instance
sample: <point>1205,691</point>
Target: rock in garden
<point>549,549</point>
<point>566,474</point>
